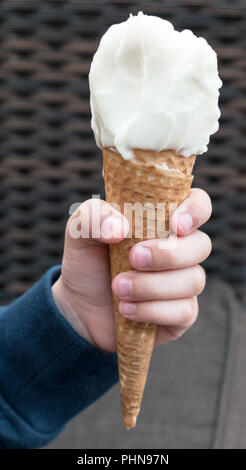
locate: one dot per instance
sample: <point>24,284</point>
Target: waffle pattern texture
<point>143,185</point>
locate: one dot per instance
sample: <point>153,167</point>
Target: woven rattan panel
<point>48,156</point>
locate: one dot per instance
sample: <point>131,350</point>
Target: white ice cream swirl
<point>153,88</point>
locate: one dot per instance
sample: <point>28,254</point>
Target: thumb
<point>96,221</point>
<point>192,213</point>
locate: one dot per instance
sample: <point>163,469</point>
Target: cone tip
<point>130,422</point>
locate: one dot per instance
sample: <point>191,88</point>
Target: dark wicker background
<point>48,156</point>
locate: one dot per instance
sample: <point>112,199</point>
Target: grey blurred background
<point>49,161</point>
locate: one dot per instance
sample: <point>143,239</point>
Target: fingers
<point>190,250</point>
<point>179,313</point>
<point>167,293</point>
<point>192,213</point>
<point>166,333</point>
<point>139,286</point>
<point>96,220</point>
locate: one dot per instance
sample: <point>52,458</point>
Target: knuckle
<point>207,243</point>
<point>208,202</point>
<point>194,310</point>
<point>199,279</point>
<point>190,312</point>
<point>205,197</point>
<point>187,311</point>
<point>202,199</point>
<point>189,316</point>
<point>174,333</point>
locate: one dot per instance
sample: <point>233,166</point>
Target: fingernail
<point>112,227</point>
<point>123,287</point>
<point>185,223</point>
<point>141,257</point>
<point>127,308</point>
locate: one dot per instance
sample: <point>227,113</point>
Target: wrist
<point>64,305</point>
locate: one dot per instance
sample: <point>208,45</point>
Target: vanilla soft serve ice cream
<point>153,88</point>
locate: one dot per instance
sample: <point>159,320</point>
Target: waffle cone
<point>139,181</point>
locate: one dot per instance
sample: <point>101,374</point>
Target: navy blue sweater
<point>48,373</point>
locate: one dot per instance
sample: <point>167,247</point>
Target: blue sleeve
<point>48,373</point>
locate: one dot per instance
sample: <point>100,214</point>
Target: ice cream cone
<point>151,177</point>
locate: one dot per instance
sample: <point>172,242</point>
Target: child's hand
<point>162,289</point>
